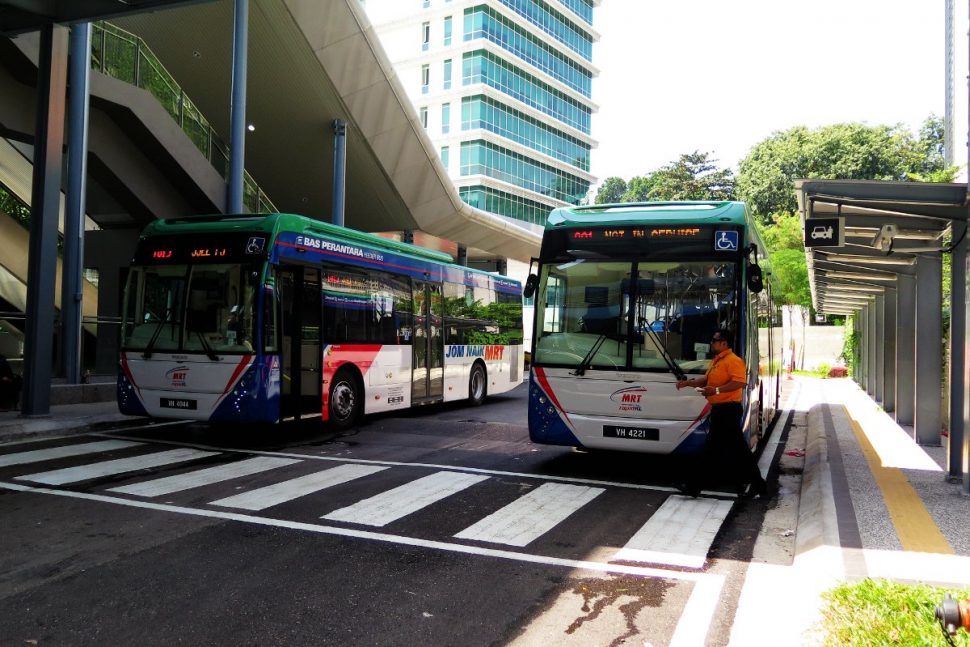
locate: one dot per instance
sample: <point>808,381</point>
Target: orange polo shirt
<point>726,367</point>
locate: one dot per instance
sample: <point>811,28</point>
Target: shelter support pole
<point>861,331</point>
<point>905,349</point>
<point>957,357</point>
<point>871,349</point>
<point>889,351</point>
<point>879,376</point>
<point>44,208</point>
<point>927,423</point>
<point>237,109</point>
<point>462,255</point>
<point>72,280</point>
<point>339,171</point>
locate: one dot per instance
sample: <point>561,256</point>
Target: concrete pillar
<point>44,210</point>
<point>237,108</point>
<point>957,357</point>
<point>879,376</point>
<point>905,349</point>
<point>889,350</point>
<point>927,423</point>
<point>872,348</point>
<point>339,171</point>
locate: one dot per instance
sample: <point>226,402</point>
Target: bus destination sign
<point>200,248</point>
<point>636,233</point>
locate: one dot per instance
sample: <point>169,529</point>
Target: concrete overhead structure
<point>888,274</point>
<point>309,64</point>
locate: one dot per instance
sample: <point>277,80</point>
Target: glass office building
<point>504,90</point>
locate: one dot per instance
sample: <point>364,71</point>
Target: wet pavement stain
<point>598,594</point>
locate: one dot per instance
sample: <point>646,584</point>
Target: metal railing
<point>124,56</point>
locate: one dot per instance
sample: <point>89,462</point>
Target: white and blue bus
<point>627,297</point>
<point>263,318</point>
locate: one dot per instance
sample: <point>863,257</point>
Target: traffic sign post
<point>825,232</point>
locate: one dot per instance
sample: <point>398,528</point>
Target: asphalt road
<point>393,535</point>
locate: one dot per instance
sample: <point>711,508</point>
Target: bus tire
<point>344,403</point>
<point>477,385</point>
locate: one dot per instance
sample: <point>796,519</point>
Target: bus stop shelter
<point>875,251</point>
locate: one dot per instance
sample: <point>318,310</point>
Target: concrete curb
<point>54,425</point>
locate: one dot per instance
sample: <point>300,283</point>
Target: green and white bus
<point>261,318</point>
<point>627,297</point>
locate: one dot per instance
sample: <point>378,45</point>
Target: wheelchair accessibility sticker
<point>725,241</point>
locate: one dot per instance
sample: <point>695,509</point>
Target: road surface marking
<point>389,506</point>
<point>464,549</point>
<point>207,476</point>
<point>914,525</point>
<point>679,533</point>
<point>119,466</point>
<point>52,453</point>
<point>529,517</point>
<point>278,493</point>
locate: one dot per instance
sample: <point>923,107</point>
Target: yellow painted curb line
<point>914,526</point>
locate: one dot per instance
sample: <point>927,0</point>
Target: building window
<point>447,31</point>
<point>426,4</point>
<point>445,154</point>
<point>445,118</point>
<point>425,36</point>
<point>423,112</point>
<point>425,78</point>
<point>447,74</point>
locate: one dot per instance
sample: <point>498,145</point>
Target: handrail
<point>124,56</point>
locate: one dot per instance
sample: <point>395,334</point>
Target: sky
<point>720,76</point>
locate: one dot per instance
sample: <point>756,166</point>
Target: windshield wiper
<point>581,369</point>
<point>671,364</point>
<point>206,347</point>
<point>147,354</point>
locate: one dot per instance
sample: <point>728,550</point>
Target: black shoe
<point>688,489</point>
<point>757,490</point>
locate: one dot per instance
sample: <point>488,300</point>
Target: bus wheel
<point>477,385</point>
<point>344,400</point>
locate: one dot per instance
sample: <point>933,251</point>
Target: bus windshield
<point>595,314</point>
<point>190,308</point>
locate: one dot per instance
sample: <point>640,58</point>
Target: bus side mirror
<point>755,280</point>
<point>530,286</point>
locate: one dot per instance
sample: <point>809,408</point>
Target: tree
<point>611,190</point>
<point>850,151</point>
<point>693,176</point>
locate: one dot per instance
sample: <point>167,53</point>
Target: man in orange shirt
<point>725,448</point>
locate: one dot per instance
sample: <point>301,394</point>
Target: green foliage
<point>850,344</point>
<point>822,370</point>
<point>789,276</point>
<point>693,176</point>
<point>883,612</point>
<point>842,151</point>
<point>611,190</point>
<point>12,206</point>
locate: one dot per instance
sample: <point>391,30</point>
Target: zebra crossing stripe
<point>207,476</point>
<point>278,493</point>
<point>119,466</point>
<point>52,453</point>
<point>679,533</point>
<point>532,515</point>
<point>389,506</point>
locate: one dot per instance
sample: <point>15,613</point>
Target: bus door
<point>302,353</point>
<point>427,348</point>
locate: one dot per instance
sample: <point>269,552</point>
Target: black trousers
<point>726,456</point>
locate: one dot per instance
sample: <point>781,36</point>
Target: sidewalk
<point>63,419</point>
<point>870,503</point>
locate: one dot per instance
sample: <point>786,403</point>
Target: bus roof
<point>660,213</point>
<point>273,223</point>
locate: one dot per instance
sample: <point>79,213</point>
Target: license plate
<point>178,403</point>
<point>636,433</point>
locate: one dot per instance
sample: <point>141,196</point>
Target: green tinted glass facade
<point>484,158</point>
<point>505,204</point>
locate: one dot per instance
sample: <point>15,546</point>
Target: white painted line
<point>52,453</point>
<point>701,607</point>
<point>278,493</point>
<point>454,468</point>
<point>207,476</point>
<point>680,533</point>
<point>598,567</point>
<point>119,466</point>
<point>529,517</point>
<point>389,506</point>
